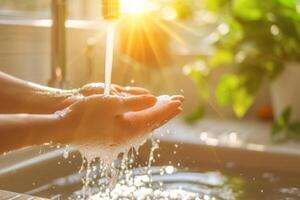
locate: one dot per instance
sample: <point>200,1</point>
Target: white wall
<point>25,52</point>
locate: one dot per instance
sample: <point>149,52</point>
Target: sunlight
<point>146,38</point>
<point>133,6</point>
<point>147,30</point>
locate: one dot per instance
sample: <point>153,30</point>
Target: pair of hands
<point>128,113</point>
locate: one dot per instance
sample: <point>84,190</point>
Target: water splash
<point>105,177</point>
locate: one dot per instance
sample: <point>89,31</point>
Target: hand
<point>90,89</point>
<point>115,120</point>
<point>98,88</point>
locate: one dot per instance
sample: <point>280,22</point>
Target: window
<point>41,9</point>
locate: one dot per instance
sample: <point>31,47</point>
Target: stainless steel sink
<point>43,172</point>
<point>5,195</point>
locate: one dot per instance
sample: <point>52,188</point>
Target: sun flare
<point>133,6</point>
<point>146,30</point>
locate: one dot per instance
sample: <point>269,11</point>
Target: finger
<point>137,103</point>
<point>171,116</point>
<point>142,129</point>
<point>92,89</point>
<point>153,116</point>
<point>97,89</point>
<point>118,88</point>
<point>135,90</point>
<point>178,97</point>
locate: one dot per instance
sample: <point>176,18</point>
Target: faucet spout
<point>58,44</point>
<point>111,9</point>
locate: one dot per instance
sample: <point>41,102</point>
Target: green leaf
<point>234,36</point>
<point>284,129</point>
<point>281,125</point>
<point>248,9</point>
<point>184,8</point>
<point>284,119</point>
<point>221,57</point>
<point>215,5</point>
<point>242,102</point>
<point>232,91</point>
<point>288,3</point>
<point>226,89</point>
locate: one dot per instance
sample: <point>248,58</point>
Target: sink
<point>43,171</point>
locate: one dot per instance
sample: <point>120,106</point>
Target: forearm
<point>21,130</point>
<point>18,96</point>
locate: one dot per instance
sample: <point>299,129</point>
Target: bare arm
<point>21,130</point>
<point>19,96</point>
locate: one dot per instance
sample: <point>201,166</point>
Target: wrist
<point>47,102</point>
<point>61,131</point>
<point>64,98</point>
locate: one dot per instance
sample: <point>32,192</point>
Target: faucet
<point>110,11</point>
<point>58,45</point>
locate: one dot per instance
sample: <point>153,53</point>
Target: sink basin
<point>44,172</point>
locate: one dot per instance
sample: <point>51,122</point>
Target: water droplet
<point>169,169</point>
<point>66,152</point>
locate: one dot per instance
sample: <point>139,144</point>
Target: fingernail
<point>176,103</point>
<point>179,97</point>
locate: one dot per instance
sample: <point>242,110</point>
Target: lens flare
<point>134,6</point>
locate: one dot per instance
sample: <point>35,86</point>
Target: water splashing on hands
<point>105,125</point>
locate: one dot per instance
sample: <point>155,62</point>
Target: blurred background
<point>231,59</point>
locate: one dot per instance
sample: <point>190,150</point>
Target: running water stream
<point>109,56</point>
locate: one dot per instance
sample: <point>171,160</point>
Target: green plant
<point>255,39</point>
<point>284,129</point>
